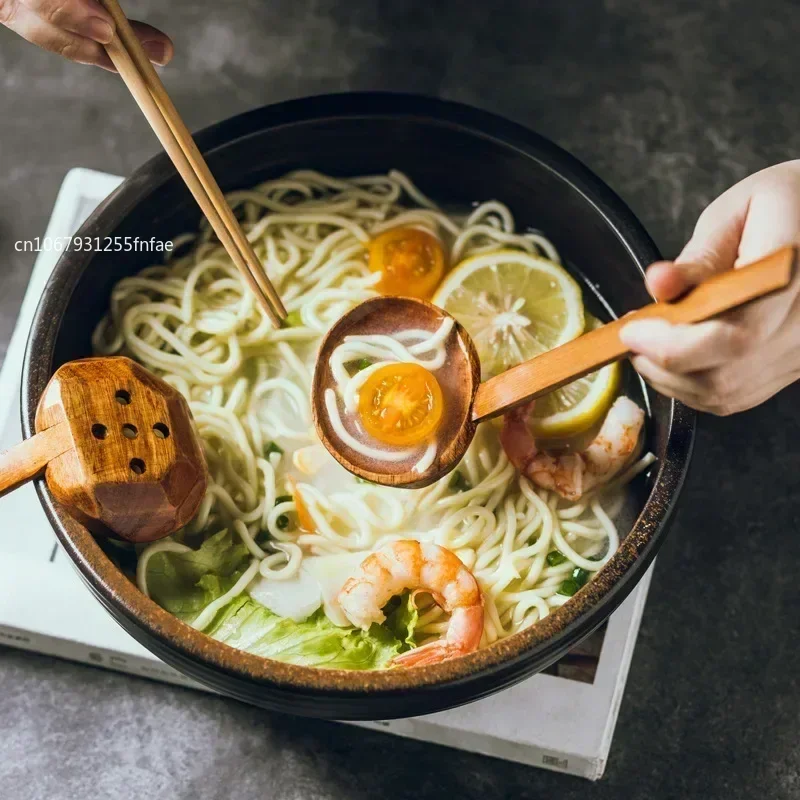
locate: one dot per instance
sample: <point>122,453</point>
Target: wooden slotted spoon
<point>118,450</point>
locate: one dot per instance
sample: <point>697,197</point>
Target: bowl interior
<point>455,163</point>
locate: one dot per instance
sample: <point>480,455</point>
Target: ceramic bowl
<point>458,155</point>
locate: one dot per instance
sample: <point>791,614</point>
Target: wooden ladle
<point>118,450</point>
<point>469,401</point>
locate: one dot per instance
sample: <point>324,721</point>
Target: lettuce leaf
<point>185,583</point>
<point>402,618</point>
<point>315,642</point>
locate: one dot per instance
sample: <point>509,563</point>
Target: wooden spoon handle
<point>599,347</point>
<point>26,460</point>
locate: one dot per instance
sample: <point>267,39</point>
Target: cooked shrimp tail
<point>419,567</point>
<point>463,636</point>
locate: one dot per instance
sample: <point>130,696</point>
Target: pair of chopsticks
<point>139,75</point>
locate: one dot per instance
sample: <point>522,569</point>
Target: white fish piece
<point>331,572</point>
<point>317,583</point>
<point>296,598</point>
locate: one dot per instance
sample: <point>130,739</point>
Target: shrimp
<point>574,474</point>
<point>420,567</point>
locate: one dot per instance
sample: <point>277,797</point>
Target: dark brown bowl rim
<point>542,642</point>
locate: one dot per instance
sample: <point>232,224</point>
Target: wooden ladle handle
<point>26,460</point>
<point>599,347</point>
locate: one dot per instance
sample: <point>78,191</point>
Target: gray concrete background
<point>670,102</point>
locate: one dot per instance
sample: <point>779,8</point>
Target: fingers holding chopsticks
<point>78,30</point>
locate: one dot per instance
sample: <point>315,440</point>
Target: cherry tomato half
<point>411,261</point>
<point>401,404</point>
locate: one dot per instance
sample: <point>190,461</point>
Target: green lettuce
<point>315,642</point>
<point>185,583</point>
<point>401,619</point>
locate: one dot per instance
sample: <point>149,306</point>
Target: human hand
<point>77,30</point>
<point>740,359</point>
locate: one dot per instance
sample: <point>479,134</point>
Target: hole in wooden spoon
<point>123,397</point>
<point>137,466</point>
<point>160,430</point>
<point>99,431</point>
<point>130,431</point>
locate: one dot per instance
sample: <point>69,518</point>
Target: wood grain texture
<point>139,75</point>
<point>599,347</point>
<point>390,315</point>
<point>135,467</point>
<point>26,460</point>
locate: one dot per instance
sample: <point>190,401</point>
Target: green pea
<point>282,522</point>
<point>272,448</point>
<point>293,320</point>
<point>459,482</point>
<point>568,587</point>
<point>555,557</point>
<point>363,364</point>
<point>580,576</point>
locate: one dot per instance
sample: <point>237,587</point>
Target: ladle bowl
<point>379,315</point>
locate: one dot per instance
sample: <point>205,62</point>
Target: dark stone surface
<point>670,103</point>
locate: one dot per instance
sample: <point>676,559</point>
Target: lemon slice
<point>513,304</point>
<point>578,406</point>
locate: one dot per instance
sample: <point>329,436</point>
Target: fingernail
<point>653,271</point>
<point>645,332</point>
<point>156,52</point>
<point>99,30</point>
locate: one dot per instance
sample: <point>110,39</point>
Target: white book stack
<point>535,722</point>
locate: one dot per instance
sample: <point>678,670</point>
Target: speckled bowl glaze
<point>458,155</point>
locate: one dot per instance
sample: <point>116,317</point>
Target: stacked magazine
<point>533,722</point>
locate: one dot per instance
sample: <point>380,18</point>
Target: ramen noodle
<point>283,527</point>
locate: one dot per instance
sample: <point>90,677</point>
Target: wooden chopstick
<point>133,65</point>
